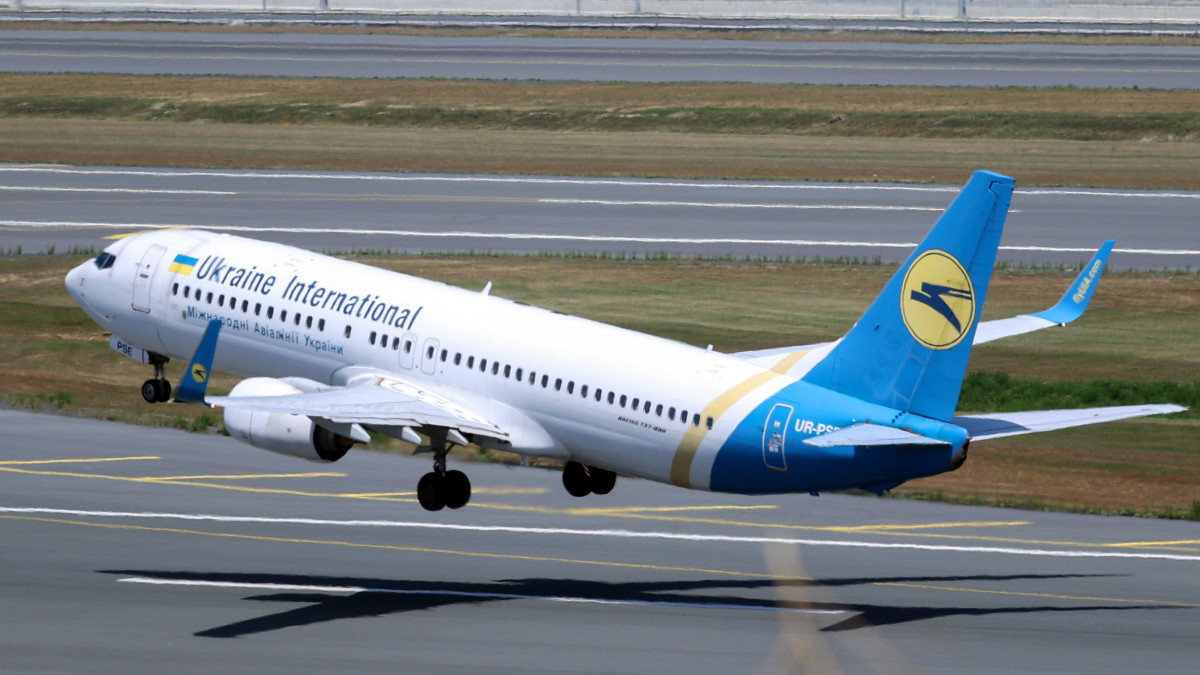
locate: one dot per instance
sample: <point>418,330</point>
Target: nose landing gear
<point>157,389</point>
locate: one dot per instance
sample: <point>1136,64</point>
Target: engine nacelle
<point>295,435</point>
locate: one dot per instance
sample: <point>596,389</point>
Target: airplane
<point>333,349</point>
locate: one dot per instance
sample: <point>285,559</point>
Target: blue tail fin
<point>909,351</point>
<point>194,383</point>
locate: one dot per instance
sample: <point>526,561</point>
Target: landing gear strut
<point>158,389</point>
<point>581,480</point>
<point>441,488</point>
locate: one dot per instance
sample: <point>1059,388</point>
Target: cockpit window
<point>105,260</point>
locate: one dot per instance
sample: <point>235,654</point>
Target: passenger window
<point>519,375</point>
<point>683,416</point>
<point>610,397</point>
<point>532,377</point>
<point>347,329</point>
<point>696,420</point>
<point>395,344</point>
<point>571,387</point>
<point>658,410</point>
<point>495,367</point>
<point>508,371</point>
<point>383,340</point>
<point>709,423</point>
<point>371,339</point>
<point>558,384</point>
<point>283,316</point>
<point>321,325</point>
<point>634,405</point>
<point>297,320</point>
<point>221,300</point>
<point>208,298</point>
<point>175,288</point>
<point>271,314</point>
<point>622,400</point>
<point>445,354</point>
<point>545,381</point>
<point>458,358</point>
<point>429,352</point>
<point>483,365</point>
<point>408,346</point>
<point>245,306</point>
<point>583,391</point>
<point>308,322</point>
<point>187,291</point>
<point>232,302</point>
<point>257,308</point>
<point>647,410</point>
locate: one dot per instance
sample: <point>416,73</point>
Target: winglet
<point>1077,297</point>
<point>194,382</point>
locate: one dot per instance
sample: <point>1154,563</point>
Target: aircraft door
<point>429,356</point>
<point>775,437</point>
<point>145,275</point>
<point>408,348</point>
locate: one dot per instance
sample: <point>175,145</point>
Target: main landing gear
<point>581,480</point>
<point>158,389</point>
<point>441,488</point>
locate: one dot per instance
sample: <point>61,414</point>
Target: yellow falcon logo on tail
<point>937,300</point>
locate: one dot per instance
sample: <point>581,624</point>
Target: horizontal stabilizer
<point>1012,424</point>
<point>870,434</point>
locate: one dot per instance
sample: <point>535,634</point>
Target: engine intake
<point>294,435</point>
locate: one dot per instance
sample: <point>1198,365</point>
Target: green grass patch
<point>1002,392</point>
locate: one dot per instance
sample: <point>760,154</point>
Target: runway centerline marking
<point>470,594</point>
<point>74,461</point>
<point>621,534</point>
<point>1027,594</point>
<point>538,236</point>
<point>150,191</point>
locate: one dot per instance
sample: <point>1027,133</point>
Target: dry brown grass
<point>1126,164</point>
<point>621,95</point>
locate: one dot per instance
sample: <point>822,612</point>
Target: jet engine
<point>295,435</point>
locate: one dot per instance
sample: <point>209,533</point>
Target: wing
<point>372,398</point>
<point>997,425</point>
<point>795,360</point>
<point>383,400</point>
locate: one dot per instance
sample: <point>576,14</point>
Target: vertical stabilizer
<point>909,350</point>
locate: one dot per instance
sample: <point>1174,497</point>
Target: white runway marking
<point>42,188</point>
<point>624,534</point>
<point>465,594</point>
<point>534,236</point>
<point>741,205</point>
<point>534,180</point>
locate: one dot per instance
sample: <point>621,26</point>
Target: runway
<point>137,550</point>
<point>598,59</point>
<point>62,208</point>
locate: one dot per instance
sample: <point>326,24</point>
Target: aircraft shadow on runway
<point>379,597</point>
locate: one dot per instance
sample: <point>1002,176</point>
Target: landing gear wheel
<point>164,391</point>
<point>430,493</point>
<point>576,480</point>
<point>603,481</point>
<point>457,489</point>
<point>150,391</point>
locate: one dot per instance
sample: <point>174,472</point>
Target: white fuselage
<point>569,383</point>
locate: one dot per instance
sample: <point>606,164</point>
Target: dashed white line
<point>44,188</point>
<point>536,236</point>
<point>624,534</point>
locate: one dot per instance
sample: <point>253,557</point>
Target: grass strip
<point>1125,138</point>
<point>1137,345</point>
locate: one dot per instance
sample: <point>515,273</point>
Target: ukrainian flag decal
<point>182,264</point>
